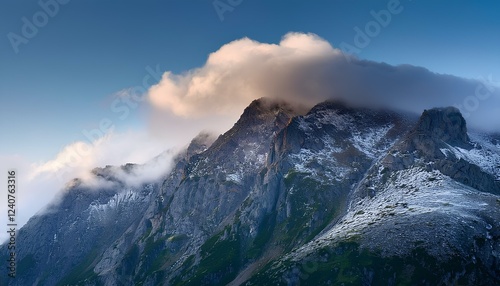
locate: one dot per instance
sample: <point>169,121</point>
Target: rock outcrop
<point>338,195</point>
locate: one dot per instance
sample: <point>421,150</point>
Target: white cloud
<point>39,183</point>
<point>306,69</point>
<point>77,159</point>
<point>238,73</point>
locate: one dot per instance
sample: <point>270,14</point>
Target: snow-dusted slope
<point>485,154</point>
<point>339,195</point>
<point>411,195</point>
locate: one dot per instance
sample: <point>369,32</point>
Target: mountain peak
<point>264,107</point>
<point>266,110</point>
<point>362,186</point>
<point>446,124</point>
<point>200,143</point>
<point>330,105</point>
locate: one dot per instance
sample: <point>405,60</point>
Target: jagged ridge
<point>346,188</point>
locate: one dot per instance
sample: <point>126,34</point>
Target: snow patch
<point>367,140</point>
<point>484,154</point>
<point>332,117</point>
<point>99,211</point>
<point>234,178</point>
<point>307,161</point>
<point>413,191</point>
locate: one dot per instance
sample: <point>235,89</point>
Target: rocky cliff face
<point>61,244</point>
<point>201,197</point>
<point>338,195</point>
<point>426,212</point>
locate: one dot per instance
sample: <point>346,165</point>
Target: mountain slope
<point>202,193</point>
<point>427,212</point>
<point>339,195</point>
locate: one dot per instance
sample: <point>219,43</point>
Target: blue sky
<point>65,79</point>
<point>60,81</point>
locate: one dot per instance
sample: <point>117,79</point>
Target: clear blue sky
<point>63,79</point>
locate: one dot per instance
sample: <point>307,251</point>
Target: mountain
<point>337,195</point>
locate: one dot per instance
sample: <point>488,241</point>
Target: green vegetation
<point>151,247</point>
<point>146,233</point>
<point>310,199</point>
<point>264,234</point>
<point>26,264</point>
<point>83,272</point>
<point>220,260</point>
<point>347,264</point>
<point>153,257</point>
<point>129,261</point>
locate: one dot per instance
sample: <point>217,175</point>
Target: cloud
<point>77,159</point>
<point>302,69</point>
<point>306,69</point>
<point>39,184</point>
<point>238,73</point>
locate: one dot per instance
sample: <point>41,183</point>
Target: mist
<point>41,184</point>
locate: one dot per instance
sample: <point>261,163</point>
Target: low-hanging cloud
<point>77,159</point>
<point>40,184</point>
<point>306,69</point>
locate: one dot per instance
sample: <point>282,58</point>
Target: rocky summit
<point>336,195</point>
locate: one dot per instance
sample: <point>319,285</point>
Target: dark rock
<point>445,124</point>
<point>236,208</point>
